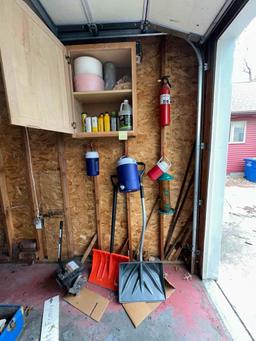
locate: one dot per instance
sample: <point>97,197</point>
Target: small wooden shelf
<point>105,96</point>
<point>103,134</point>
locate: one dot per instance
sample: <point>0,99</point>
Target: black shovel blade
<point>141,282</point>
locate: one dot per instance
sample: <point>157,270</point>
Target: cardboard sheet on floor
<point>138,311</point>
<point>89,303</point>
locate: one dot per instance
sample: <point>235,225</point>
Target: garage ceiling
<point>188,16</point>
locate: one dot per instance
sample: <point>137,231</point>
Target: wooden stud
<point>96,186</point>
<point>89,248</point>
<point>161,235</point>
<point>162,151</point>
<point>126,147</point>
<point>5,203</point>
<point>65,193</point>
<point>97,209</point>
<point>39,232</point>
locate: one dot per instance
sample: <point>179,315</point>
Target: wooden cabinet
<point>35,70</point>
<point>123,55</point>
<point>38,74</point>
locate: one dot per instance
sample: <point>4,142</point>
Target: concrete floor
<point>186,315</point>
<point>237,276</point>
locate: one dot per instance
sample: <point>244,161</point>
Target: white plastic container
<point>88,124</point>
<point>94,124</point>
<point>125,116</point>
<point>88,65</point>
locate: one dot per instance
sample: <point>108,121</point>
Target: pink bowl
<point>88,82</point>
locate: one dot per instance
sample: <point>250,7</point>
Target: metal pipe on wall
<point>197,155</point>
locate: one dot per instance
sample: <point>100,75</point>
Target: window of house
<point>237,132</point>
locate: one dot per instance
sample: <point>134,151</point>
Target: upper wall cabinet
<point>39,75</point>
<point>35,70</point>
<point>94,103</point>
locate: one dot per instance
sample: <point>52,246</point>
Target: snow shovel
<point>105,265</point>
<point>141,281</point>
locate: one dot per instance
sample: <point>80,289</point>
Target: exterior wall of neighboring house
<point>237,152</point>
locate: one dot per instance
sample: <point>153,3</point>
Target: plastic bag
<point>109,75</point>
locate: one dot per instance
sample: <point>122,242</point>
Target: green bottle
<point>83,118</point>
<point>113,121</point>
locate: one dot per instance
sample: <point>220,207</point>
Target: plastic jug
<point>128,175</point>
<point>92,163</point>
<point>125,116</point>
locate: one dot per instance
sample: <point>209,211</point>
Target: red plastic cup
<point>155,173</point>
<point>160,168</point>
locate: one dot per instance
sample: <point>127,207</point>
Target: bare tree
<point>248,64</point>
<point>247,69</point>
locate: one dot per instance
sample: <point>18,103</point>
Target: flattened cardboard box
<point>89,303</point>
<point>138,311</point>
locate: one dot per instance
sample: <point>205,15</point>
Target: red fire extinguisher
<point>165,102</point>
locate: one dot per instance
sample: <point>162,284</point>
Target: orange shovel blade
<point>105,268</point>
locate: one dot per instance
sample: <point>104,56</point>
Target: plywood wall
<point>181,66</point>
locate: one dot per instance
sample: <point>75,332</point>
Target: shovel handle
<point>60,242</point>
<point>114,181</point>
<point>141,168</point>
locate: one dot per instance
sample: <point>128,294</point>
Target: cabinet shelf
<point>105,96</point>
<point>123,55</point>
<point>84,135</point>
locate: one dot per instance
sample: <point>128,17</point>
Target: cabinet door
<point>35,70</point>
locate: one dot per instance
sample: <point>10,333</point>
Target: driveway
<point>237,276</point>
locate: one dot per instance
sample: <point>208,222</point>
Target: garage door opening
<point>231,219</point>
<point>239,216</point>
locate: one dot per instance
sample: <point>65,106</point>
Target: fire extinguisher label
<point>165,99</point>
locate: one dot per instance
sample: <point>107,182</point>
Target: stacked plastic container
<point>88,75</point>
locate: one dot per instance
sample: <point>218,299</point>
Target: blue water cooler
<point>128,175</point>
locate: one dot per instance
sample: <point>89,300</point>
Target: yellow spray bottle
<point>106,122</point>
<point>101,123</point>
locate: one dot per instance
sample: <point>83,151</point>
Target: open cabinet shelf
<point>95,103</point>
<point>101,134</point>
<point>103,96</point>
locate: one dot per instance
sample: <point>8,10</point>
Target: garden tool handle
<point>142,169</point>
<point>114,181</point>
<point>60,242</point>
<point>144,216</point>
